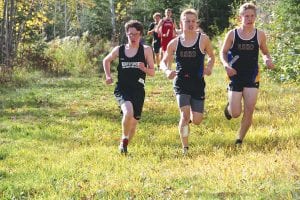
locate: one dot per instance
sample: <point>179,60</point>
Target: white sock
<point>124,137</point>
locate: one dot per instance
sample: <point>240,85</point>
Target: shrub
<point>99,49</point>
<point>282,23</point>
<point>70,56</point>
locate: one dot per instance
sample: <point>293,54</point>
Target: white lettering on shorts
<point>142,81</point>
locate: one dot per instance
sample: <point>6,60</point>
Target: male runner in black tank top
<point>244,43</point>
<point>246,65</point>
<point>135,62</point>
<point>156,43</point>
<point>190,48</point>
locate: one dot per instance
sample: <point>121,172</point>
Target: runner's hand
<point>207,71</point>
<point>170,74</point>
<point>109,80</point>
<point>230,71</point>
<point>269,64</point>
<point>142,67</point>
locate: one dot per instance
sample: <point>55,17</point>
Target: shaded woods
<point>34,32</point>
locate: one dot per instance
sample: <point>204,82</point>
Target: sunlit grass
<point>59,139</point>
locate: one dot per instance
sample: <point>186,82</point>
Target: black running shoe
<point>238,142</point>
<point>185,150</point>
<point>123,146</point>
<point>226,112</point>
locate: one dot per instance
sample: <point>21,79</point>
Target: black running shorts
<point>238,86</point>
<point>135,95</point>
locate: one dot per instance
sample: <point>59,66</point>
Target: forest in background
<point>72,36</point>
<point>60,125</point>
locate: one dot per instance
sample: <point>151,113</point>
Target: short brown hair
<point>134,24</point>
<point>247,6</point>
<point>168,9</point>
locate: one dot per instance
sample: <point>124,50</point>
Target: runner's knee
<point>235,114</point>
<point>197,120</point>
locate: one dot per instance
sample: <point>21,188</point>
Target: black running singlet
<point>189,61</point>
<point>247,64</point>
<point>189,69</point>
<point>129,75</point>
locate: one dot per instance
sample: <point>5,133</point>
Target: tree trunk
<point>113,21</point>
<point>3,30</point>
<point>66,21</point>
<point>6,40</point>
<point>54,26</point>
<point>7,33</point>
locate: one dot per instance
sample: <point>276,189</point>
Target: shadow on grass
<point>58,115</point>
<point>60,125</point>
<point>71,83</point>
<point>45,110</point>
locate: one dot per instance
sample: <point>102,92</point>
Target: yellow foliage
<point>122,9</point>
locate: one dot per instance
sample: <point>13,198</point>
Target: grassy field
<point>59,140</point>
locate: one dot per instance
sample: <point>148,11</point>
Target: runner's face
<point>189,22</point>
<point>133,35</point>
<point>248,17</point>
<point>157,18</point>
<point>168,13</point>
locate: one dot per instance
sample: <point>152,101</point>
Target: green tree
<point>21,22</point>
<point>281,20</point>
<point>214,14</point>
<point>67,18</point>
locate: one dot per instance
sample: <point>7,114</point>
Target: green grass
<point>59,140</point>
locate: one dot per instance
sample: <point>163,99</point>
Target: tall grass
<point>70,56</point>
<point>59,139</point>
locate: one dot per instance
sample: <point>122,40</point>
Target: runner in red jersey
<point>166,27</point>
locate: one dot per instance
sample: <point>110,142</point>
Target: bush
<point>70,56</point>
<point>74,56</point>
<point>67,56</point>
<point>282,21</point>
<point>32,56</point>
<point>99,49</point>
